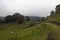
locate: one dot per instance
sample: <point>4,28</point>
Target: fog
<point>27,7</point>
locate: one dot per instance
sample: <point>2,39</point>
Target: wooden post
<point>32,32</point>
<point>16,35</point>
<point>32,35</point>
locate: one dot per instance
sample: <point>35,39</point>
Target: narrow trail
<point>53,25</point>
<point>57,30</point>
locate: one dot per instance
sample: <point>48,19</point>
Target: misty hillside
<point>36,18</point>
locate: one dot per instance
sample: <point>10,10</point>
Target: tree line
<point>15,18</point>
<point>57,11</point>
<point>54,16</point>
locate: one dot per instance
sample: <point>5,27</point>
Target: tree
<point>21,19</point>
<point>16,14</point>
<point>57,8</point>
<point>8,19</point>
<point>52,13</point>
<point>1,21</point>
<point>18,17</point>
<point>27,18</point>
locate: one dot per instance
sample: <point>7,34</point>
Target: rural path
<point>57,30</point>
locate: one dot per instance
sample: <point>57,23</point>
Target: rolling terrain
<point>37,32</point>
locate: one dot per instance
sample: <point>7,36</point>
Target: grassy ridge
<point>40,31</point>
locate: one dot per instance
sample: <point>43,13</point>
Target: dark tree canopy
<point>58,8</point>
<point>8,18</point>
<point>18,18</point>
<point>27,18</point>
<point>16,14</point>
<point>57,11</point>
<point>52,13</point>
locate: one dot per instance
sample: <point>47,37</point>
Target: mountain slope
<point>38,32</point>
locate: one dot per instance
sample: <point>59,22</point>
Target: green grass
<point>26,33</point>
<point>55,17</point>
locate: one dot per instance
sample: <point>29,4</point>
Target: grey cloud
<point>27,7</point>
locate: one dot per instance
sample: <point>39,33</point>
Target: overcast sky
<point>27,7</point>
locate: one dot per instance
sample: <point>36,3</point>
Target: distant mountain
<point>35,18</point>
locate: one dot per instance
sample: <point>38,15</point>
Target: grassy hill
<point>24,31</point>
<point>37,32</point>
<point>55,17</point>
<point>54,20</point>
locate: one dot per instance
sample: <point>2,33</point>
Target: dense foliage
<point>54,16</point>
<point>18,18</point>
